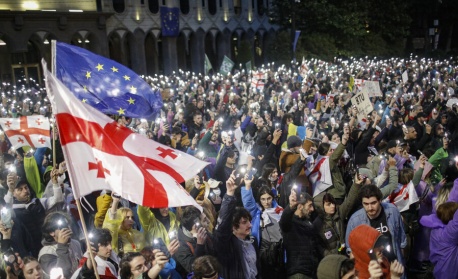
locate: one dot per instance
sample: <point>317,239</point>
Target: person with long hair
<point>120,222</point>
<point>205,267</point>
<point>266,214</point>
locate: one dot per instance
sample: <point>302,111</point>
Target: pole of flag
<point>78,203</point>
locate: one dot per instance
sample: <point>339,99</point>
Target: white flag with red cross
<point>27,131</point>
<point>102,154</point>
<point>403,196</point>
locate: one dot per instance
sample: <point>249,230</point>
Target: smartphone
<point>56,272</point>
<point>173,235</point>
<point>6,218</point>
<point>94,245</point>
<point>372,255</point>
<point>251,173</point>
<point>303,153</point>
<point>201,178</point>
<point>333,121</point>
<point>158,243</point>
<point>9,257</point>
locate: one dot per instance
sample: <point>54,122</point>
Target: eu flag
<point>170,21</point>
<point>105,84</point>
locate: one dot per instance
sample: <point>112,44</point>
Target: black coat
<point>302,244</point>
<point>229,247</point>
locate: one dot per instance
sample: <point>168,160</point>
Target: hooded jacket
<point>329,267</point>
<point>443,243</point>
<point>394,222</point>
<point>362,239</point>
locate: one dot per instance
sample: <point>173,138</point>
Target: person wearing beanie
<point>336,267</point>
<point>383,217</point>
<point>368,245</point>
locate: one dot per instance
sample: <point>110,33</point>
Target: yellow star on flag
<point>88,74</point>
<point>84,100</point>
<point>85,88</point>
<point>133,89</point>
<point>126,77</point>
<point>114,69</point>
<point>131,101</point>
<point>121,111</point>
<point>99,67</point>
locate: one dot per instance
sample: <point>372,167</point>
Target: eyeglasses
<point>139,268</point>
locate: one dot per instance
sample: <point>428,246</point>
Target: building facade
<point>129,31</point>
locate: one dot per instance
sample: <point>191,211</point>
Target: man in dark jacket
<point>300,239</point>
<point>195,240</point>
<point>236,250</point>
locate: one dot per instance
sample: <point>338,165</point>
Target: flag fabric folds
<point>102,154</point>
<point>319,174</point>
<point>170,21</point>
<point>27,131</point>
<point>226,66</point>
<point>208,64</point>
<point>403,196</point>
<point>105,84</point>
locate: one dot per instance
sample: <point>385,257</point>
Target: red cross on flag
<point>101,154</point>
<point>403,196</point>
<point>27,131</point>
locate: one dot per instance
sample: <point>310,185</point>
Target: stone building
<point>129,31</point>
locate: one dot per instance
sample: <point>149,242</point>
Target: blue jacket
<point>395,225</point>
<point>255,210</point>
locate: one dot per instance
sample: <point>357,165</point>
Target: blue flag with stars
<point>105,84</point>
<point>170,21</point>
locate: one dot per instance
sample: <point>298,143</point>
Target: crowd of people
<point>300,182</point>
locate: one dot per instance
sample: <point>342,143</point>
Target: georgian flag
<point>319,174</point>
<point>304,68</point>
<point>27,131</point>
<point>403,196</point>
<point>101,154</point>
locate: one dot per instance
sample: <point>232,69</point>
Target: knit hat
<point>329,267</point>
<point>293,141</point>
<point>361,239</point>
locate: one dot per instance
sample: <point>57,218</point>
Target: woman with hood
<point>443,243</point>
<point>369,247</point>
<point>266,214</point>
<point>120,222</point>
<point>331,222</point>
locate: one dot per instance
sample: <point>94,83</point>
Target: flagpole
<point>78,203</point>
<point>88,243</point>
<point>53,71</point>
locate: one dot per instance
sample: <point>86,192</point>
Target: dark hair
<point>446,211</point>
<point>205,266</point>
<point>189,216</point>
<point>265,190</point>
<point>51,223</point>
<point>329,198</point>
<point>240,212</point>
<point>405,175</point>
<point>101,236</point>
<point>346,266</point>
<point>304,198</point>
<point>124,266</point>
<point>28,259</point>
<point>368,191</point>
<point>323,148</point>
<point>267,169</point>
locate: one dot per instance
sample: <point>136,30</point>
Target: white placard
<point>372,88</point>
<point>405,77</point>
<point>362,103</point>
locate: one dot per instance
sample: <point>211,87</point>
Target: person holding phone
<point>106,259</point>
<point>266,214</point>
<point>374,254</point>
<point>330,222</point>
<point>120,222</point>
<point>134,265</point>
<point>59,249</point>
